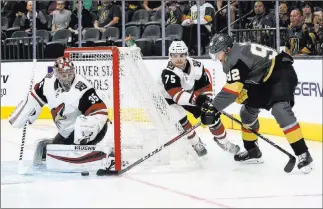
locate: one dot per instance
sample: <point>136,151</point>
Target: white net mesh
<point>146,120</point>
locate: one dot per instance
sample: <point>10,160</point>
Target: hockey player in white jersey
<point>182,81</point>
<point>78,112</point>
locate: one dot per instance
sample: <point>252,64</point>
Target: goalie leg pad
<point>76,158</point>
<point>40,151</point>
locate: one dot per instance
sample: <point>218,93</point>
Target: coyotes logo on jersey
<point>57,114</point>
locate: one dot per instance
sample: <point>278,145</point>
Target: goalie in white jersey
<point>182,81</point>
<point>78,112</point>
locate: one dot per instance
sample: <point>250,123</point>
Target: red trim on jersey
<point>174,91</point>
<point>36,98</point>
<point>204,89</point>
<point>292,129</point>
<point>187,126</point>
<point>192,136</point>
<point>95,107</point>
<point>230,91</point>
<point>179,96</point>
<point>209,74</point>
<point>99,113</point>
<point>36,86</point>
<point>218,131</point>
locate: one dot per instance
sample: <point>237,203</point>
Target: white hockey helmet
<point>178,47</point>
<point>64,72</point>
<point>178,53</point>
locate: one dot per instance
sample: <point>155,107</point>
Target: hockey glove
<point>86,129</point>
<point>201,99</point>
<point>242,96</point>
<point>209,114</point>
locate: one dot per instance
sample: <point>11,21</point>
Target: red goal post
<point>116,92</point>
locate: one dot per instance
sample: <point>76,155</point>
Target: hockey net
<point>141,118</point>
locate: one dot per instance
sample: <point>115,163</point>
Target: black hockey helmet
<point>219,42</point>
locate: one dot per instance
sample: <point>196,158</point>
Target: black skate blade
<point>290,165</point>
<point>106,172</point>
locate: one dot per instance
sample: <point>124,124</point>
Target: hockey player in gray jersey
<point>259,78</point>
<point>181,82</point>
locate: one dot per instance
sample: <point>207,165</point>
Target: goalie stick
<point>107,172</point>
<point>22,169</point>
<point>292,160</point>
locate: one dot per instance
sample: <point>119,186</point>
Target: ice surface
<point>218,183</point>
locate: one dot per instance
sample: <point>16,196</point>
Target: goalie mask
<point>64,72</point>
<point>178,53</point>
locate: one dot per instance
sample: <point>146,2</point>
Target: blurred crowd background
<point>153,25</point>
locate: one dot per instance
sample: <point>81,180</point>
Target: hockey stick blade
<point>107,172</point>
<point>290,165</point>
<point>292,160</point>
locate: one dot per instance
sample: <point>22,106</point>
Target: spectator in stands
<point>94,7</point>
<point>299,41</point>
<point>152,6</point>
<point>20,8</point>
<point>26,22</point>
<point>309,18</point>
<point>261,19</point>
<point>52,6</point>
<point>190,26</point>
<point>173,13</point>
<point>109,15</point>
<point>220,4</point>
<point>8,10</point>
<point>87,4</point>
<point>131,8</point>
<point>317,11</point>
<point>318,29</point>
<point>283,15</point>
<point>88,19</point>
<point>61,17</point>
<point>14,16</point>
<point>185,8</point>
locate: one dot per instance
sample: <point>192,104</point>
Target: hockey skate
<point>226,145</point>
<point>200,148</point>
<point>305,162</point>
<point>252,156</point>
